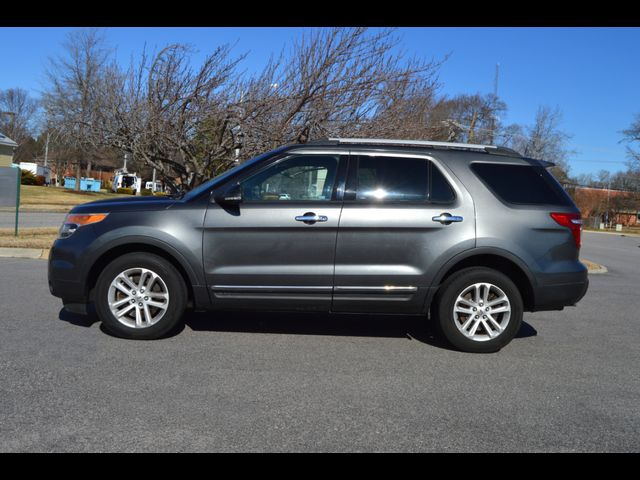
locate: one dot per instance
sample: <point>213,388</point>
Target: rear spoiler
<point>542,163</point>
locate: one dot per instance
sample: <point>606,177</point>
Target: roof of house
<point>4,140</point>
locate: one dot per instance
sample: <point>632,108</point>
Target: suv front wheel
<point>140,296</point>
<point>478,310</point>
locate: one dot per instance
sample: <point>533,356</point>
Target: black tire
<point>170,276</point>
<point>447,295</point>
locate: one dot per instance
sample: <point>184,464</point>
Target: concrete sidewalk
<point>24,253</point>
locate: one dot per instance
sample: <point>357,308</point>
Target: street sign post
<point>10,190</point>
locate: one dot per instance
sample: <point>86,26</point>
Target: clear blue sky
<point>592,74</point>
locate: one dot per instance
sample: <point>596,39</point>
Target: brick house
<point>621,206</point>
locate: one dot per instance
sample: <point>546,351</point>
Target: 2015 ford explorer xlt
<point>469,236</point>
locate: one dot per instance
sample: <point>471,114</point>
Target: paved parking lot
<point>31,219</point>
<point>232,382</point>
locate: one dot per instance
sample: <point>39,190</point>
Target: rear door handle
<point>310,218</point>
<point>447,218</point>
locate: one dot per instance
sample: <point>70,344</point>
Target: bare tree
<point>468,118</point>
<point>632,136</point>
<point>544,140</point>
<point>18,111</point>
<point>334,82</point>
<point>189,123</point>
<point>407,109</point>
<point>169,116</point>
<point>72,100</point>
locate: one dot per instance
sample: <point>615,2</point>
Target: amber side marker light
<point>73,221</point>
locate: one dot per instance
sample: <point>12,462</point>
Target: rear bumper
<point>554,292</point>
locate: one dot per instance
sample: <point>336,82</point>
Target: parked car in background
<point>155,188</point>
<point>469,236</point>
<point>123,179</point>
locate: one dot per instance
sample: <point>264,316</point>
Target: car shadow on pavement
<point>295,323</point>
<point>78,319</point>
<point>351,325</point>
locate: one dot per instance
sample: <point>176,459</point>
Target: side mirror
<point>231,196</point>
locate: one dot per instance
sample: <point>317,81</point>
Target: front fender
<point>188,256</point>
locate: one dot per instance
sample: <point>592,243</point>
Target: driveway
<point>246,382</point>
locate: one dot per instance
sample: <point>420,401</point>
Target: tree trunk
<point>472,127</point>
<point>58,176</point>
<point>78,176</point>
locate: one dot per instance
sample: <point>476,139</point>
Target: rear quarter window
<point>522,184</point>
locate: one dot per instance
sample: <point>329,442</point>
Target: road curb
<point>620,234</point>
<point>594,267</point>
<point>7,252</point>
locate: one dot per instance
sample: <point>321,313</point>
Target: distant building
<point>7,147</point>
<point>607,205</point>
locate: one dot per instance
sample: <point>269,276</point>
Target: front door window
<point>297,178</point>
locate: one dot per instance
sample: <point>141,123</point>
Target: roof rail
<point>426,143</point>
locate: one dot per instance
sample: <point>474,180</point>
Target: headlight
<point>73,221</point>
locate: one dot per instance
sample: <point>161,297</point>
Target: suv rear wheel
<point>140,296</point>
<point>478,310</point>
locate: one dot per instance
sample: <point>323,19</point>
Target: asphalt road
<point>230,382</point>
<point>31,219</point>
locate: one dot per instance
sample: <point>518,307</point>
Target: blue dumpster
<point>86,184</point>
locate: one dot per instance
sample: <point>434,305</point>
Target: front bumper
<point>66,272</point>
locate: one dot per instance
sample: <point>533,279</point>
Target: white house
<point>37,170</point>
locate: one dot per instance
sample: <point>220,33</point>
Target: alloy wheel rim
<point>482,312</point>
<point>138,297</point>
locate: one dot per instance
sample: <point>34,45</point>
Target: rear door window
<point>399,179</point>
<point>441,191</point>
<point>393,179</point>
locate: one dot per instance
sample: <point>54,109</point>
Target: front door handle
<point>310,218</point>
<point>446,218</point>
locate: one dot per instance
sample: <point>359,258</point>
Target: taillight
<point>573,221</point>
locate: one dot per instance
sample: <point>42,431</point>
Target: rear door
<point>402,213</point>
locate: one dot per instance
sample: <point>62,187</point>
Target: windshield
<point>210,183</point>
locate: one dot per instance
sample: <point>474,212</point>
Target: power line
<point>598,161</point>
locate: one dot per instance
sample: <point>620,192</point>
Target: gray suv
<point>470,236</point>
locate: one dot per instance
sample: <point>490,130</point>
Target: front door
<point>276,250</point>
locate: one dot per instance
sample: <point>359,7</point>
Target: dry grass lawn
<point>41,237</point>
<point>57,199</point>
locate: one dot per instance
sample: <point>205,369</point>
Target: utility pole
<point>494,101</point>
<point>125,162</point>
<point>46,151</point>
